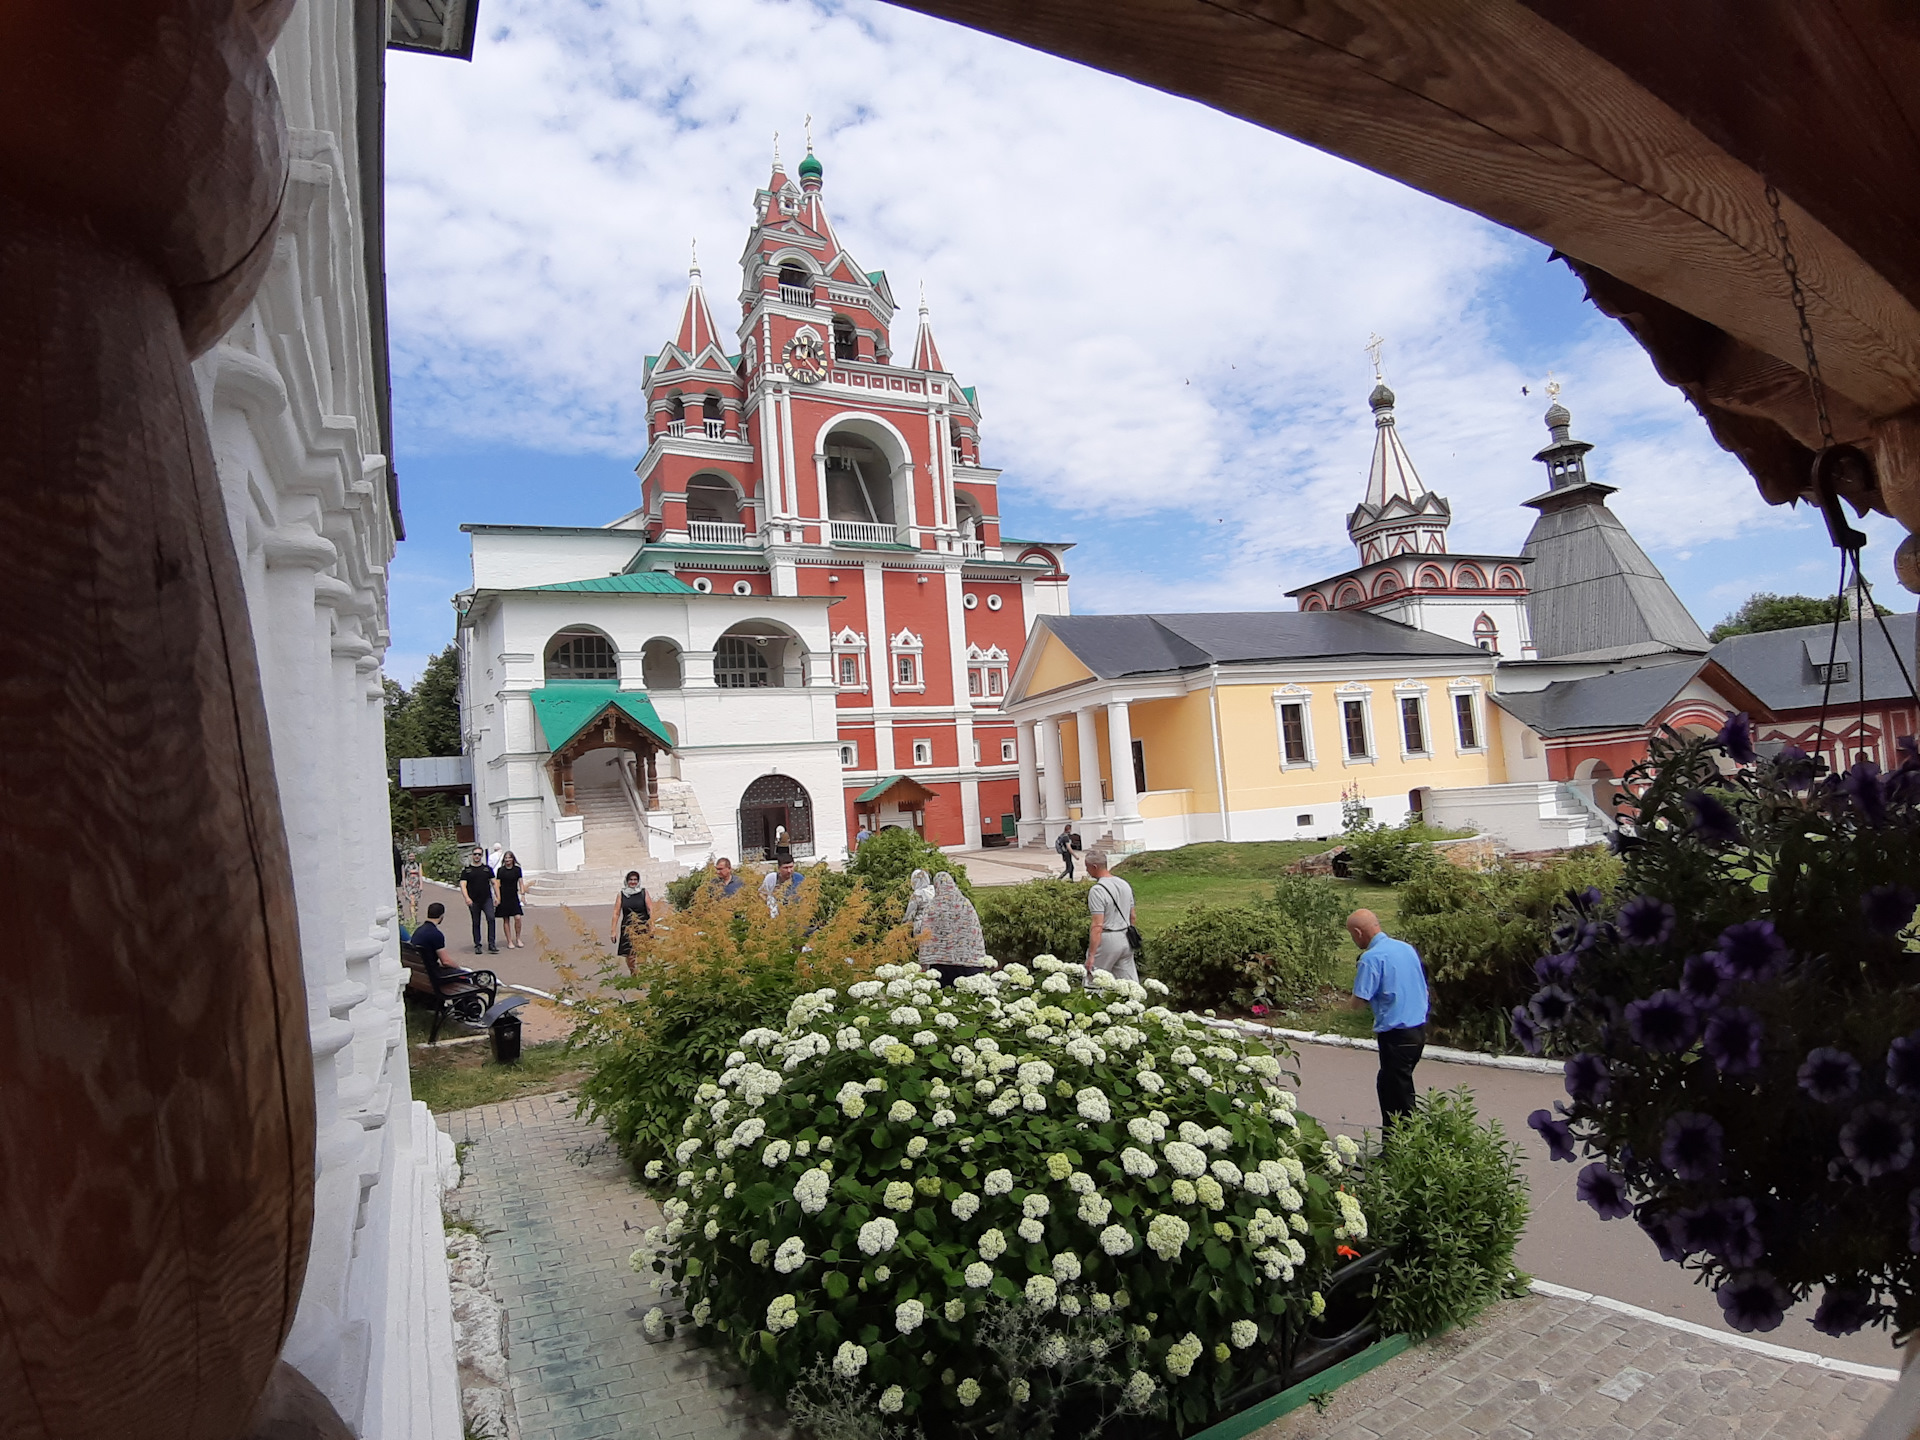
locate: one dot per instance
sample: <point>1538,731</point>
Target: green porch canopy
<point>566,707</point>
<point>874,792</point>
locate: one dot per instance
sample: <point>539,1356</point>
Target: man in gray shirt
<point>1110,902</point>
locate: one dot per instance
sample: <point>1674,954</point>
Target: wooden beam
<point>1485,104</point>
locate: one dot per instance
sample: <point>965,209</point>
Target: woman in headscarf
<point>630,914</point>
<point>950,941</point>
<point>919,901</point>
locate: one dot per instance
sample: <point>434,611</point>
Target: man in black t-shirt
<point>482,892</point>
<point>432,943</point>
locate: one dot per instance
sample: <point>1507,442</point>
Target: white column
<point>1054,781</point>
<point>1126,799</point>
<point>1031,820</point>
<point>1092,806</point>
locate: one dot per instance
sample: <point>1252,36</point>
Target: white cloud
<point>1164,308</point>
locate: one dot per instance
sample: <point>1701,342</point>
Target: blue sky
<point>1164,308</point>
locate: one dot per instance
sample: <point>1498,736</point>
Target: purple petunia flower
<point>1555,969</point>
<point>1888,909</point>
<point>1712,821</point>
<point>1844,1309</point>
<point>1664,1231</point>
<point>1830,1075</point>
<point>1903,1066</point>
<point>1525,1031</point>
<point>1700,978</point>
<point>1736,738</point>
<point>1751,950</point>
<point>1605,1191</point>
<point>1588,1079</point>
<point>1551,1007</point>
<point>1795,767</point>
<point>1876,1141</point>
<point>1664,1022</point>
<point>1861,784</point>
<point>1751,1301</point>
<point>1557,1133</point>
<point>1691,1148</point>
<point>1645,920</point>
<point>1725,1229</point>
<point>1732,1040</point>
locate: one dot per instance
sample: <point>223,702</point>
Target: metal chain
<point>1792,267</point>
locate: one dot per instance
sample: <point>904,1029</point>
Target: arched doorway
<point>769,804</point>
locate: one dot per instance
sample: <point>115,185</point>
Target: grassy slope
<point>458,1077</point>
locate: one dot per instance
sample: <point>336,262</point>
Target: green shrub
<point>700,977</point>
<point>1039,917</point>
<point>1390,854</point>
<point>1479,933</point>
<point>898,1183</point>
<point>443,860</point>
<point>1446,1197</point>
<point>1254,859</point>
<point>1239,956</point>
<point>680,892</point>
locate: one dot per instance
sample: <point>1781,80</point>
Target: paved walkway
<point>559,1218</point>
<point>1550,1367</point>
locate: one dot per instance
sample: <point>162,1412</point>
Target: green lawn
<point>458,1077</point>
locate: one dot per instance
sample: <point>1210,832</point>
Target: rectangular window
<point>906,669</point>
<point>1464,721</point>
<point>923,752</point>
<point>973,682</point>
<point>849,669</point>
<point>1008,754</point>
<point>1293,733</point>
<point>1303,820</point>
<point>1413,729</point>
<point>1354,714</point>
<point>996,682</point>
<point>1140,767</point>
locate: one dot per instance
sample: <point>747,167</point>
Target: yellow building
<point>1151,731</point>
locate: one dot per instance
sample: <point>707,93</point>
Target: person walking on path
<point>511,908</point>
<point>630,913</point>
<point>1110,902</point>
<point>482,892</point>
<point>1063,847</point>
<point>920,901</point>
<point>724,880</point>
<point>950,940</point>
<point>1392,981</point>
<point>861,836</point>
<point>783,884</point>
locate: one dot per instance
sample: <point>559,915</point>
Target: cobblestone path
<point>559,1218</point>
<point>1544,1366</point>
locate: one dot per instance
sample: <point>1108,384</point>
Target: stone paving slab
<point>559,1218</point>
<point>1544,1366</point>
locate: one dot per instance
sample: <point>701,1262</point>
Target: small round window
<point>703,585</point>
<point>993,602</point>
<point>971,601</point>
<point>741,587</point>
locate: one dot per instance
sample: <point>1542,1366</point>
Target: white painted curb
<point>1432,1052</point>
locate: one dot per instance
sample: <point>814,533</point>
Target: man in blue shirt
<point>1391,980</point>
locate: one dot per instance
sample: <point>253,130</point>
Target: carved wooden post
<point>158,1133</point>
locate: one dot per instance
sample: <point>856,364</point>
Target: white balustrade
<point>861,532</point>
<point>796,294</point>
<point>716,532</point>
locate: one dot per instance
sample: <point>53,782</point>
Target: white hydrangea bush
<point>862,1186</point>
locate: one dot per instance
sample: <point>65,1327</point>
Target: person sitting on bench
<point>430,942</point>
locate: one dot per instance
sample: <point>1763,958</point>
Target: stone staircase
<point>615,845</point>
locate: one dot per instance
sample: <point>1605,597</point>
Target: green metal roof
<point>566,707</point>
<point>967,390</point>
<point>877,276</point>
<point>637,582</point>
<point>874,792</point>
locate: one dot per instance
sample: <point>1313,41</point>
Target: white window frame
<point>1361,695</point>
<point>850,757</point>
<point>1475,694</point>
<point>1417,694</point>
<point>1303,697</point>
<point>1009,752</point>
<point>923,752</point>
<point>850,642</point>
<point>991,665</point>
<point>976,752</point>
<point>904,646</point>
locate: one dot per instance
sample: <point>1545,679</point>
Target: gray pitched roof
<point>1778,665</point>
<point>1116,645</point>
<point>1595,594</point>
<point>1625,699</point>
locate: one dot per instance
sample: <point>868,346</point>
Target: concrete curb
<point>1432,1052</point>
<point>1739,1342</point>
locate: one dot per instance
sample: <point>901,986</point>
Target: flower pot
<point>1349,1324</point>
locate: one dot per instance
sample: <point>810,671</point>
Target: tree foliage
<point>420,722</point>
<point>1765,611</point>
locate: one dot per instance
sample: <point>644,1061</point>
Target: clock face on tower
<point>806,357</point>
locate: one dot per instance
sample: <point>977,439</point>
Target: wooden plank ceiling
<point>1633,137</point>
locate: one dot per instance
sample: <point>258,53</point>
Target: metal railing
<point>1073,792</point>
<point>796,294</point>
<point>861,532</point>
<point>716,532</point>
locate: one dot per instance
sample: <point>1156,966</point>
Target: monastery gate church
<point>810,619</point>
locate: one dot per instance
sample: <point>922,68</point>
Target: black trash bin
<point>503,1028</point>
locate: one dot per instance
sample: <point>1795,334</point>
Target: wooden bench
<point>466,998</point>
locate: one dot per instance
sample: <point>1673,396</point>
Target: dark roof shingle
<point>1116,645</point>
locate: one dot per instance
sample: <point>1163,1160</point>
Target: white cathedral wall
<point>549,557</point>
<point>1453,617</point>
<point>291,404</point>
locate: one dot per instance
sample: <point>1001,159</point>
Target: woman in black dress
<point>510,911</point>
<point>630,914</point>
